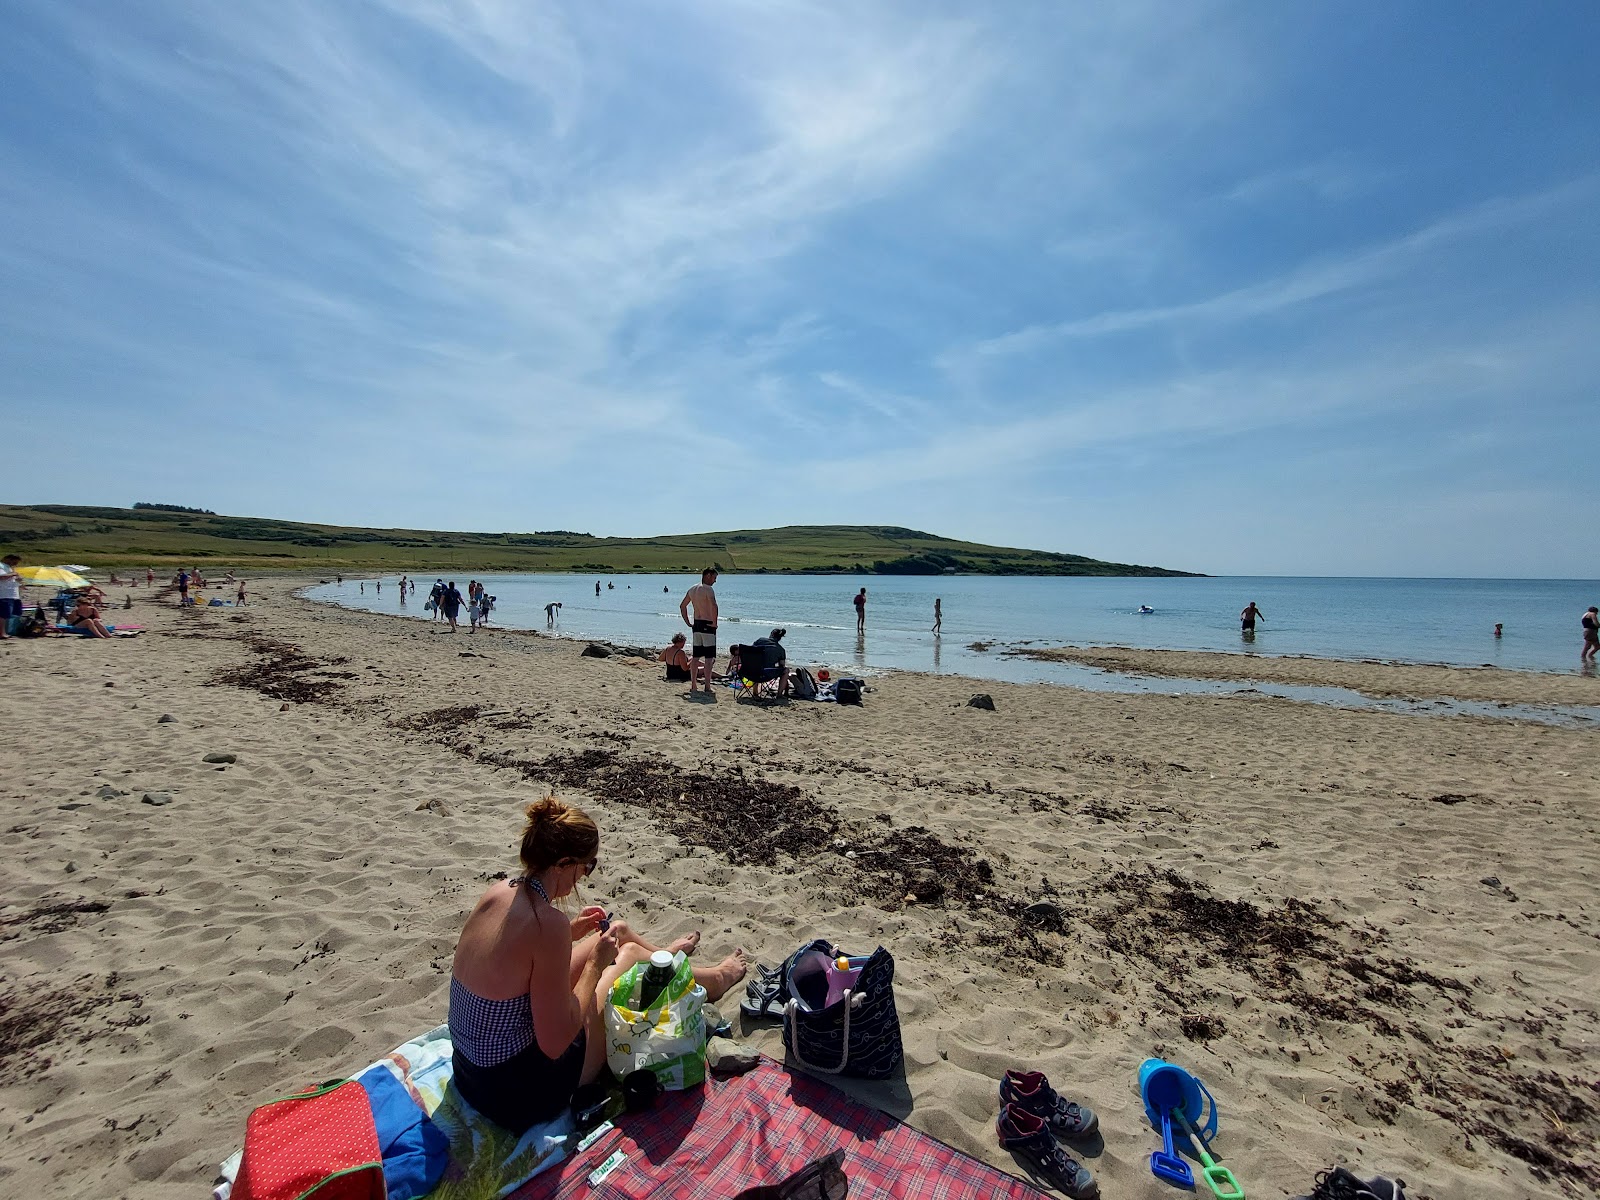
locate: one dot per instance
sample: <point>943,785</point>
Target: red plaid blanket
<point>709,1143</point>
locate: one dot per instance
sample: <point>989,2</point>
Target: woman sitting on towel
<point>86,617</point>
<point>677,660</point>
<point>529,984</point>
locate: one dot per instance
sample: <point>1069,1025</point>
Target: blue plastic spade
<point>1169,1092</point>
<point>1165,1163</point>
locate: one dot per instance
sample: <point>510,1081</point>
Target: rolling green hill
<point>105,537</point>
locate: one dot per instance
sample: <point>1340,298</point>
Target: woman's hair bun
<point>546,810</point>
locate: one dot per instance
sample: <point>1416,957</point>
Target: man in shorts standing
<point>861,611</point>
<point>10,592</point>
<point>703,599</point>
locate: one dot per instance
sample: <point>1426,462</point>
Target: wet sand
<point>1410,680</point>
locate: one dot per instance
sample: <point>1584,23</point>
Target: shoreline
<point>289,916</point>
<point>1370,677</point>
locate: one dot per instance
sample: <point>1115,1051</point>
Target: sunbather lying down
<point>528,986</point>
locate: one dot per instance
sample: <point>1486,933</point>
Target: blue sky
<point>1239,288</point>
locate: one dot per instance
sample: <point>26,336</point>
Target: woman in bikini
<point>528,986</point>
<point>86,616</point>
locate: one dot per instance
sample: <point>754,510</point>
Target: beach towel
<point>762,1127</point>
<point>442,1138</point>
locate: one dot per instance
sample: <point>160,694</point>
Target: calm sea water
<point>1412,620</point>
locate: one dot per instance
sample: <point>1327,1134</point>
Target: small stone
<point>434,806</point>
<point>110,684</point>
<point>166,719</point>
<point>1490,881</point>
<point>284,707</point>
<point>71,868</point>
<point>1044,913</point>
<point>982,700</point>
<point>728,1057</point>
<point>107,792</point>
<point>157,798</point>
<point>217,757</point>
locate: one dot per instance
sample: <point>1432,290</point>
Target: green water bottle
<point>657,976</point>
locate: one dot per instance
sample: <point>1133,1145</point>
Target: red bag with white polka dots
<point>321,1143</point>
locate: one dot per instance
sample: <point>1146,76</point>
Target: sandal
<point>766,994</point>
<point>1030,1139</point>
<point>1031,1092</point>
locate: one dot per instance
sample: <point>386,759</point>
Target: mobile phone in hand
<point>605,923</point>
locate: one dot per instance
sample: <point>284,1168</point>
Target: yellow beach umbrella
<point>56,575</point>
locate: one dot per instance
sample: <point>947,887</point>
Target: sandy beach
<point>1374,935</point>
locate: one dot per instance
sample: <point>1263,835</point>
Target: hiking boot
<point>1030,1139</point>
<point>1031,1092</point>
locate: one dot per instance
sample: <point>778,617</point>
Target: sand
<point>1373,934</point>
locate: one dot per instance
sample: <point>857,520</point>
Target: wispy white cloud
<point>1311,282</point>
<point>516,239</point>
<point>1557,350</point>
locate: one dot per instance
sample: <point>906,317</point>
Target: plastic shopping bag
<point>668,1039</point>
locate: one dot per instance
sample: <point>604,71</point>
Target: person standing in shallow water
<point>450,601</point>
<point>861,611</point>
<point>1247,618</point>
<point>938,615</point>
<point>1591,634</point>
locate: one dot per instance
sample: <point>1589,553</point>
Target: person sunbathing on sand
<point>528,986</point>
<point>677,660</point>
<point>86,616</point>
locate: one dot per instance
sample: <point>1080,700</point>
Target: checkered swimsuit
<point>489,1032</point>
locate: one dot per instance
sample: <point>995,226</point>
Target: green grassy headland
<point>49,534</point>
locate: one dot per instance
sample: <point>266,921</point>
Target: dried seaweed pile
<point>284,672</point>
<point>48,918</point>
<point>1295,956</point>
<point>440,720</point>
<point>32,1020</point>
<point>747,820</point>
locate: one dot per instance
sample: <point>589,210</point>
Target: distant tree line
<point>203,512</point>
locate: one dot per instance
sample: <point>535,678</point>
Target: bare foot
<point>718,979</point>
<point>688,943</point>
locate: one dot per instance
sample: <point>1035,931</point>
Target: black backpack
<point>847,691</point>
<point>802,684</point>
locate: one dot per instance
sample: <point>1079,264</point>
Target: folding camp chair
<point>759,668</point>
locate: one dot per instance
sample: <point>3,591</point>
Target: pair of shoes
<point>765,994</point>
<point>1031,1091</point>
<point>1336,1183</point>
<point>1029,1138</point>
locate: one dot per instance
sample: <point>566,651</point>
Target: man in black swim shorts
<point>703,625</point>
<point>1247,618</point>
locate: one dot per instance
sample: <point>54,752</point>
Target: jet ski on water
<point>1145,608</point>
